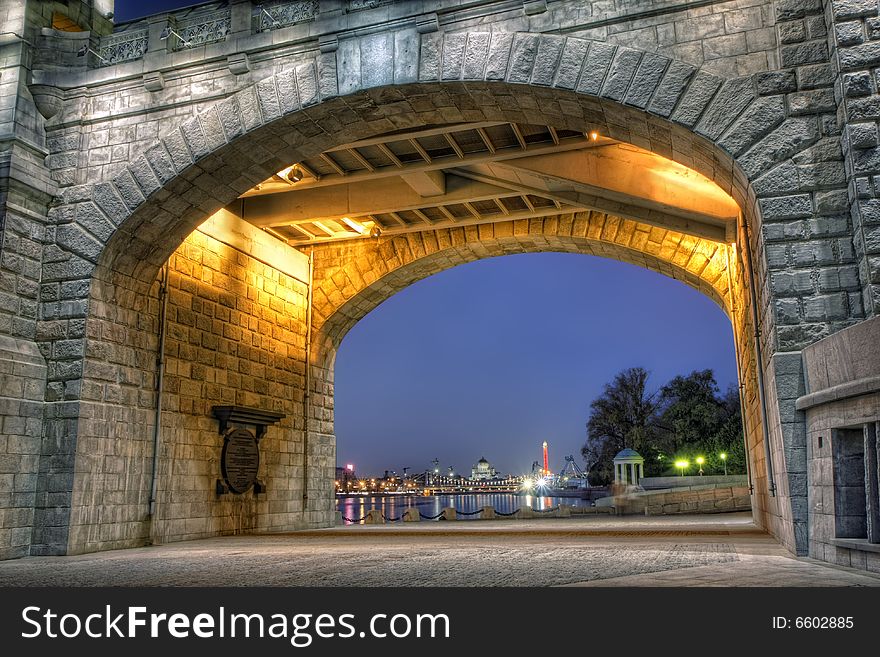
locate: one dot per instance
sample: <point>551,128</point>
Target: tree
<point>624,415</point>
<point>686,418</point>
<point>698,421</point>
<point>691,411</point>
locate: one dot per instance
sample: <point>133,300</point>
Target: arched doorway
<point>125,230</point>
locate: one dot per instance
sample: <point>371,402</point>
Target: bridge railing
<point>209,23</point>
<point>413,514</point>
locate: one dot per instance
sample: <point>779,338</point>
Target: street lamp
<point>681,465</point>
<point>700,462</point>
<point>724,461</point>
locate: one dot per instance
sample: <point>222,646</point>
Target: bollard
<point>526,512</point>
<point>448,513</point>
<point>411,515</point>
<point>374,517</point>
<point>339,520</point>
<point>563,511</point>
<point>487,513</point>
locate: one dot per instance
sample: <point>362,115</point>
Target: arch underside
<point>374,271</point>
<point>153,228</point>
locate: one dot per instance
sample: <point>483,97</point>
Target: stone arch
<point>112,237</point>
<point>375,270</point>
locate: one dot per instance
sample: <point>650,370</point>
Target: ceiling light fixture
<point>294,174</point>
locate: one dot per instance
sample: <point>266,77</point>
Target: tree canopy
<point>686,418</point>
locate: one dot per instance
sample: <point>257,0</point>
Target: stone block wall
<point>729,39</point>
<point>855,26</point>
<point>710,499</point>
<point>842,374</point>
<point>235,335</point>
<point>22,382</point>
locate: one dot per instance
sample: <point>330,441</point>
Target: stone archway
<point>113,237</point>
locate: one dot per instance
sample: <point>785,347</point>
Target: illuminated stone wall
<point>235,335</point>
<point>113,164</point>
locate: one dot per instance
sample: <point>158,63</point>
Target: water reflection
<point>354,508</point>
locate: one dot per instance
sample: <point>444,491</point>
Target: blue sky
<point>494,357</point>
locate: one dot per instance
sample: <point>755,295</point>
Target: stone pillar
<point>448,513</point>
<point>487,513</point>
<point>411,515</point>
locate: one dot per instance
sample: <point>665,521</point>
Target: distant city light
<point>350,467</point>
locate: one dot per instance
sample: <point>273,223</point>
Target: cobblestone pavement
<point>697,551</point>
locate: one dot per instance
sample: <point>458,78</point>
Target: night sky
<point>493,357</point>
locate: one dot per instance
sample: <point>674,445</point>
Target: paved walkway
<point>591,551</point>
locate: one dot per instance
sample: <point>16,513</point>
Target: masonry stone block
<point>476,53</point>
<point>74,238</point>
<point>453,56</point>
<point>776,82</point>
<point>547,60</point>
<point>522,59</point>
<point>620,73</point>
<point>595,68</point>
<point>307,83</point>
<point>733,97</point>
<point>161,163</point>
<point>93,220</point>
<point>786,207</point>
<point>848,9</point>
<point>791,136</point>
<point>178,150</point>
<point>817,101</point>
<point>792,31</point>
<point>377,69</point>
<point>695,100</point>
<point>646,80</point>
<point>573,55</point>
<point>287,98</point>
<point>348,66</point>
<point>862,135</point>
<point>195,137</point>
<point>758,119</point>
<point>128,190</point>
<point>850,33</point>
<point>801,54</point>
<point>267,97</point>
<point>429,61</point>
<point>857,84</point>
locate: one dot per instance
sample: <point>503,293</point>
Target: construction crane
<point>572,475</point>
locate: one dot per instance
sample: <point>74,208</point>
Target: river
<point>355,507</point>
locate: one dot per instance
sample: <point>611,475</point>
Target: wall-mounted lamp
<point>86,49</point>
<point>167,32</point>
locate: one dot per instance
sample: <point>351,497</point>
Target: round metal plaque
<point>240,460</point>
